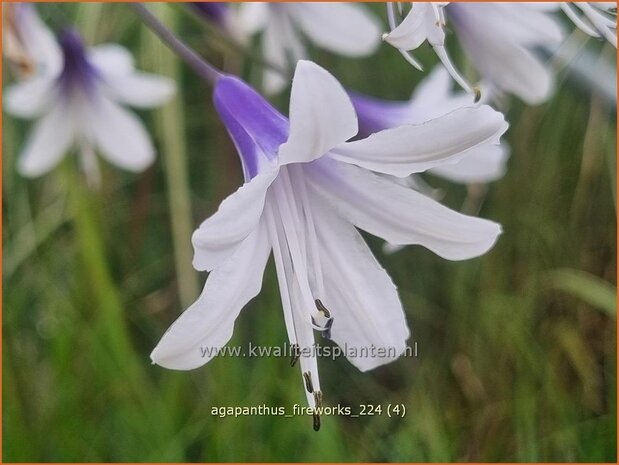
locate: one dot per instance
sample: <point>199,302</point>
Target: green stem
<point>171,127</point>
<point>110,328</point>
<point>89,19</point>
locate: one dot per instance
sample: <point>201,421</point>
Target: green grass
<point>517,349</point>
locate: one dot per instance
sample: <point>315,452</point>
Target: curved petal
<point>111,59</point>
<point>501,59</point>
<point>518,71</point>
<point>419,25</point>
<point>119,135</point>
<point>321,115</point>
<point>29,99</point>
<point>47,144</point>
<point>141,90</point>
<point>398,214</point>
<point>483,164</point>
<point>519,22</point>
<point>344,28</point>
<point>416,148</point>
<point>364,302</point>
<point>194,338</point>
<point>220,235</point>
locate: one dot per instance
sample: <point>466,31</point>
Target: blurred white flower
<point>434,98</point>
<point>306,191</point>
<point>598,19</point>
<point>499,39</point>
<point>343,28</point>
<point>79,105</point>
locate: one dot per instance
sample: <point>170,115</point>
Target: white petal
<point>207,325</point>
<point>141,90</point>
<point>501,59</point>
<point>516,22</point>
<point>252,17</point>
<point>280,45</point>
<point>481,165</point>
<point>120,135</point>
<point>219,236</point>
<point>518,71</point>
<point>29,99</point>
<point>416,148</point>
<point>321,115</point>
<point>39,41</point>
<point>344,28</point>
<point>400,215</point>
<point>47,144</point>
<point>433,89</point>
<point>419,25</point>
<point>111,59</point>
<point>359,293</point>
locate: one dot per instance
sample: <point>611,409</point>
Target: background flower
<point>499,40</point>
<point>343,28</point>
<point>79,106</point>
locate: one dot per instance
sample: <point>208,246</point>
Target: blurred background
<point>516,350</point>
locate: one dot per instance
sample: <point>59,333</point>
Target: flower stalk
<point>171,126</point>
<point>199,65</point>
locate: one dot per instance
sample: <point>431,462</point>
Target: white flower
<point>598,19</point>
<point>306,190</point>
<point>434,98</point>
<point>343,28</point>
<point>499,39</point>
<point>80,106</point>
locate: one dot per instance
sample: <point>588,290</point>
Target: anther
<point>296,353</point>
<point>318,398</point>
<point>307,376</point>
<point>316,421</point>
<point>321,308</point>
<point>477,92</point>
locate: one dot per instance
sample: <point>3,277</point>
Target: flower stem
<point>111,329</point>
<point>171,126</point>
<point>199,65</point>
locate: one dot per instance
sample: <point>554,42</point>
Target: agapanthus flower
<point>343,28</point>
<point>80,106</point>
<point>306,190</point>
<point>598,19</point>
<point>499,39</point>
<point>434,98</point>
<point>27,42</point>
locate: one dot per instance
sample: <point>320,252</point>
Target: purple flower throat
<point>77,72</point>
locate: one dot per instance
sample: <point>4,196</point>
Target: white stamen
<point>280,269</point>
<point>444,57</point>
<point>291,222</point>
<point>600,22</point>
<point>312,238</point>
<point>578,22</point>
<point>292,244</point>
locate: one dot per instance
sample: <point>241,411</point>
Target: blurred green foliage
<point>517,349</point>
